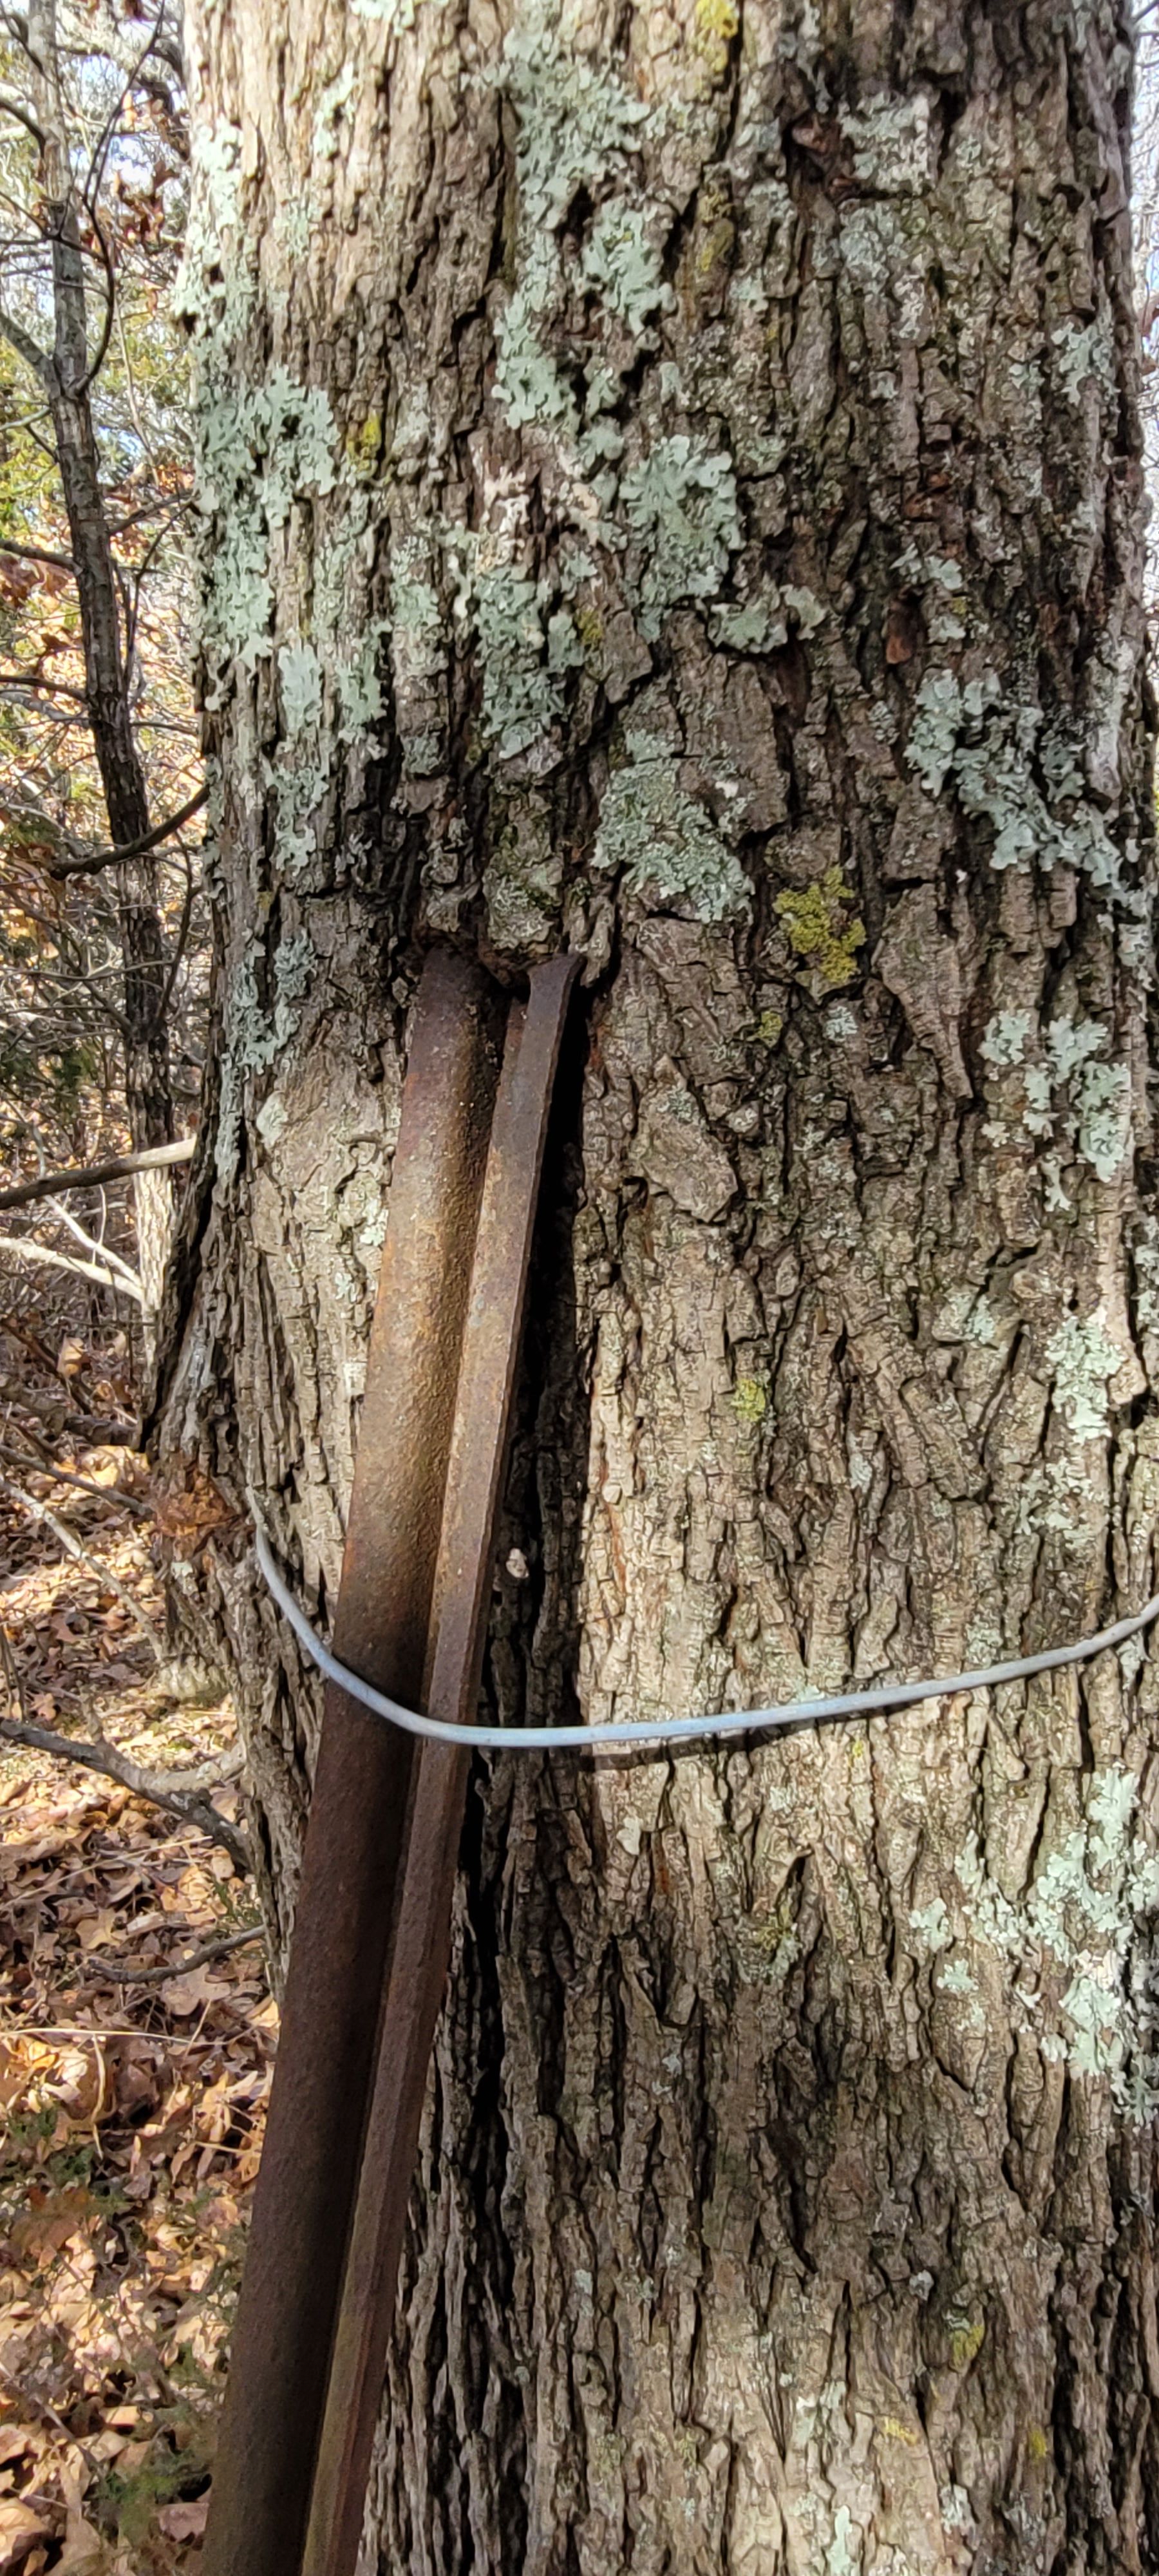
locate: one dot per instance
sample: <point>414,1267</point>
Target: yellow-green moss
<point>716,24</point>
<point>966,2342</point>
<point>819,929</point>
<point>750,1400</point>
<point>364,446</point>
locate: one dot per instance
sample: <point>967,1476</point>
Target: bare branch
<point>89,1243</point>
<point>93,860</point>
<point>10,106</point>
<point>120,1167</point>
<point>179,944</point>
<point>25,346</point>
<point>23,1248</point>
<point>35,554</point>
<point>96,363</point>
<point>42,687</point>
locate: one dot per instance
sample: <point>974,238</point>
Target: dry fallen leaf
<point>83,2546</point>
<point>161,2091</point>
<point>13,2073</point>
<point>16,2440</point>
<point>184,2521</point>
<point>47,2230</point>
<point>186,1995</point>
<point>19,2528</point>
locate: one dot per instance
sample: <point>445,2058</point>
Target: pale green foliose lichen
<point>1084,1105</point>
<point>1051,1500</point>
<point>940,581</point>
<point>754,626</point>
<point>1089,1908</point>
<point>523,652</point>
<point>1005,1039</point>
<point>665,845</point>
<point>621,263</point>
<point>891,143</point>
<point>576,123</point>
<point>932,1925</point>
<point>257,449</point>
<point>839,2558</point>
<point>207,290</point>
<point>680,503</point>
<point>301,677</point>
<point>1083,350</point>
<point>418,648</point>
<point>970,737</point>
<point>333,97</point>
<point>1103,1103</point>
<point>254,1038</point>
<point>527,380</point>
<point>523,880</point>
<point>577,120</point>
<point>1083,1359</point>
<point>359,687</point>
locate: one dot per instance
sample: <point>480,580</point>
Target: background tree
<point>671,482</point>
<point>92,161</point>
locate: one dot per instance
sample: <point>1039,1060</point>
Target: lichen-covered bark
<point>671,487</point>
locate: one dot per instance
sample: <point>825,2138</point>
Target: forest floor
<point>133,2077</point>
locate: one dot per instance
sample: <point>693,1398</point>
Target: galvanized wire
<point>659,1732</point>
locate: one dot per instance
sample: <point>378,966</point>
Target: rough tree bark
<point>671,487</point>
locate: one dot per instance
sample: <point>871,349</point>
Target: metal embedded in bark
<point>308,2177</point>
<point>374,1908</point>
<point>421,1933</point>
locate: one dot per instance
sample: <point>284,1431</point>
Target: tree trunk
<point>671,489</point>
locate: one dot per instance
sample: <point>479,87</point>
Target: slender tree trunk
<point>671,488</point>
<point>148,1089</point>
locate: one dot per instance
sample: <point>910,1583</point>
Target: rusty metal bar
<point>421,1936</point>
<point>309,2174</point>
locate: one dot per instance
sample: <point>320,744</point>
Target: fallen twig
<point>122,1972</point>
<point>94,1753</point>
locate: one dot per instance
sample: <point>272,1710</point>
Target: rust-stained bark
<point>672,489</point>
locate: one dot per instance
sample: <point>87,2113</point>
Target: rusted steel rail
<point>421,1934</point>
<point>309,2174</point>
